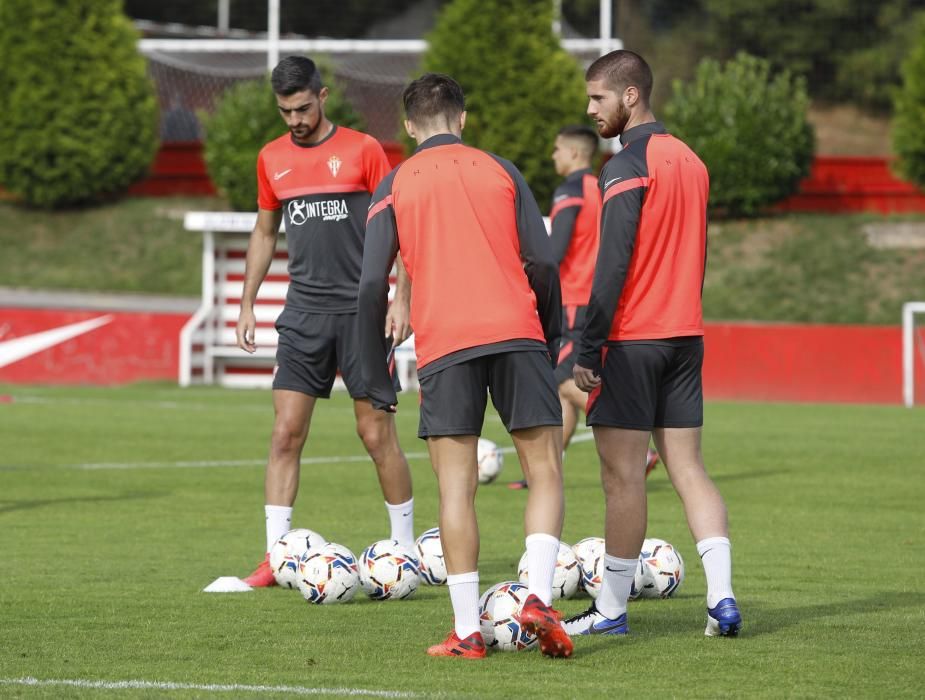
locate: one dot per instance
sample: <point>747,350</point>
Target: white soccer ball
<point>388,571</point>
<point>288,550</point>
<point>490,459</point>
<point>429,551</point>
<point>566,576</point>
<point>328,574</point>
<point>497,608</point>
<point>665,568</point>
<point>590,553</point>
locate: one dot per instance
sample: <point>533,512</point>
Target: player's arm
<point>379,250</point>
<point>539,264</point>
<point>623,197</point>
<point>398,317</point>
<point>260,249</point>
<point>566,206</point>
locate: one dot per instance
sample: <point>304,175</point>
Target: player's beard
<point>614,125</point>
<point>307,133</point>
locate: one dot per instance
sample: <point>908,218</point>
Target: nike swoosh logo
<point>616,571</point>
<point>405,515</point>
<point>20,348</point>
<point>610,182</point>
<point>277,176</point>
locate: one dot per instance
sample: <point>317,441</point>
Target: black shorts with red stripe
<point>573,322</point>
<point>648,384</point>
<point>521,384</point>
<point>313,347</point>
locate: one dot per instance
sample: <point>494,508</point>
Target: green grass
<point>103,566</point>
<point>795,267</point>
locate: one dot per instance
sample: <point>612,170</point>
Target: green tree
<point>909,121</point>
<point>749,127</point>
<point>78,117</point>
<point>245,119</point>
<point>521,86</point>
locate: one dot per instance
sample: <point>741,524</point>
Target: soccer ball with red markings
<point>388,571</point>
<point>665,568</point>
<point>288,550</point>
<point>429,551</point>
<point>565,578</point>
<point>490,459</point>
<point>328,574</point>
<point>497,608</point>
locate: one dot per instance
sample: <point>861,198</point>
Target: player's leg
<point>622,414</point>
<point>523,390</point>
<point>380,438</point>
<point>573,401</point>
<point>679,422</point>
<point>451,414</point>
<point>305,370</point>
<point>379,435</point>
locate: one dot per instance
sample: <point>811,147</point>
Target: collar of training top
<point>438,140</point>
<point>642,130</point>
<point>578,174</point>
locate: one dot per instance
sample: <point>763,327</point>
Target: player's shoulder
<point>360,138</point>
<point>281,142</point>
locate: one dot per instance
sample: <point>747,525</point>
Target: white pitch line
<point>583,436</point>
<point>211,687</point>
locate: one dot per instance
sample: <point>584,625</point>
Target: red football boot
<point>262,576</point>
<point>541,620</point>
<point>472,647</point>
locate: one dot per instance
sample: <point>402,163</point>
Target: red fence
<point>835,184</point>
<point>744,361</point>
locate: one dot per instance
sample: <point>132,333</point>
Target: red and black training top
<point>324,191</point>
<point>575,221</point>
<point>648,280</point>
<point>473,241</point>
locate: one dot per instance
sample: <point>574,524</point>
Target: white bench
<point>208,349</point>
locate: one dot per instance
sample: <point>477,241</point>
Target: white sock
<point>716,555</point>
<point>401,516</point>
<point>279,522</point>
<point>616,586</point>
<point>464,595</point>
<point>542,553</point>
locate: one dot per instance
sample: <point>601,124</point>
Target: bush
<point>521,86</point>
<point>750,129</point>
<point>247,118</point>
<point>909,115</point>
<point>78,117</point>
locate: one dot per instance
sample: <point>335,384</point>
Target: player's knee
<point>287,437</point>
<point>374,434</point>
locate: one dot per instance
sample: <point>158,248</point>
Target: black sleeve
<point>566,204</point>
<point>539,264</point>
<point>619,221</point>
<point>379,249</point>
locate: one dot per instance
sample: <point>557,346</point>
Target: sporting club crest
<point>334,165</point>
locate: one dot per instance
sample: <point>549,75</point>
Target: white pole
<point>557,17</point>
<point>272,34</point>
<point>908,355</point>
<point>224,18</point>
<point>606,26</point>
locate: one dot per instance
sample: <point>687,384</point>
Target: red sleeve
<point>375,163</point>
<point>266,197</point>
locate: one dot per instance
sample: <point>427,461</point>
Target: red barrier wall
<point>744,361</point>
<point>127,347</point>
<point>835,184</point>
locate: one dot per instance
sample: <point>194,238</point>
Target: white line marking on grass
<point>213,688</point>
<point>583,436</point>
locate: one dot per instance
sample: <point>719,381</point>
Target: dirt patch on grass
<point>842,130</point>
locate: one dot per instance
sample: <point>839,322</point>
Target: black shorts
<point>522,387</point>
<point>573,323</point>
<point>312,347</point>
<point>649,384</point>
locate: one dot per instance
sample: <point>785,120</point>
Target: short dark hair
<point>433,95</point>
<point>294,74</point>
<point>583,133</point>
<point>622,69</point>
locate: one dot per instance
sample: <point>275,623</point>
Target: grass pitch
<point>117,506</point>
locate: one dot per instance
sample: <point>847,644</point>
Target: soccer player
<point>320,177</point>
<point>576,207</point>
<point>485,311</point>
<point>641,352</point>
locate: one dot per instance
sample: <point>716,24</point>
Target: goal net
<point>913,351</point>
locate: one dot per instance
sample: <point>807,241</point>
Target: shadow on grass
<point>7,506</point>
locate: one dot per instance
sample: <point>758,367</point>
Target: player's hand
<point>398,322</point>
<point>246,330</point>
<point>585,379</point>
